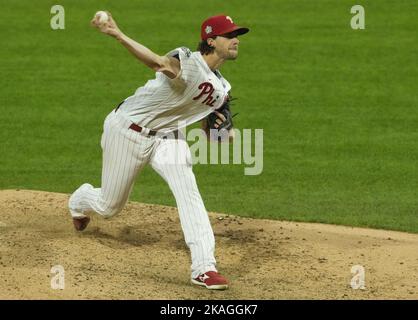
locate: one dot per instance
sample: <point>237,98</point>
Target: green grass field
<point>339,107</point>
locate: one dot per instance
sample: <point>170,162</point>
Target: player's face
<point>227,46</point>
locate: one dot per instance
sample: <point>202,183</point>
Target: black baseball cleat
<point>81,223</point>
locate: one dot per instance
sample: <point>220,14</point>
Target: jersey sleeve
<point>188,67</point>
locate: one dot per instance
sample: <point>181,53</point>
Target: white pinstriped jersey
<point>165,104</point>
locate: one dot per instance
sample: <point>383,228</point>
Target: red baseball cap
<point>219,25</point>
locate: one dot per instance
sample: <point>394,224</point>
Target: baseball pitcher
<point>143,129</point>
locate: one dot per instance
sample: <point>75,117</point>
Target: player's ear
<point>211,42</point>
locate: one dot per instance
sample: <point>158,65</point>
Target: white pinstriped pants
<point>125,153</point>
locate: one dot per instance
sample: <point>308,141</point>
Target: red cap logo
<point>219,25</point>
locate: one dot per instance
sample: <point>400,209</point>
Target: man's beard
<point>232,55</point>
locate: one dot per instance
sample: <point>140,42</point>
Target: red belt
<point>137,128</point>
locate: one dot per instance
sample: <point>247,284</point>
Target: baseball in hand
<point>103,17</point>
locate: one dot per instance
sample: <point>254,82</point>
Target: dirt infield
<point>141,254</point>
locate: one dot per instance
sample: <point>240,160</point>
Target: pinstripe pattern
<point>165,105</point>
<point>162,102</point>
<point>125,153</point>
<point>172,161</point>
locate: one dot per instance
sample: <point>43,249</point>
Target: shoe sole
<point>212,287</point>
<point>81,224</point>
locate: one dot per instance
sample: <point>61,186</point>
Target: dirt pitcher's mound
<point>141,254</point>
